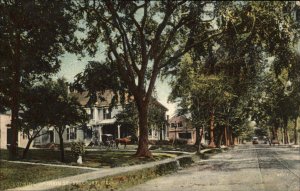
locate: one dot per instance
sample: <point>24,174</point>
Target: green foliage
<point>25,52</point>
<point>143,38</point>
<point>236,65</point>
<point>33,36</point>
<point>78,148</point>
<point>99,77</point>
<point>65,110</point>
<point>129,115</point>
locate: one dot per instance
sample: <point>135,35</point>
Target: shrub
<point>77,148</point>
<point>159,142</point>
<point>178,141</point>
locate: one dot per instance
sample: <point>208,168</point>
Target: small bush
<point>77,148</point>
<point>159,142</point>
<point>178,141</point>
<point>162,142</point>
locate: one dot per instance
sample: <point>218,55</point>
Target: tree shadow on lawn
<point>15,175</point>
<point>94,159</point>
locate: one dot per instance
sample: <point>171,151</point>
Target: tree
<point>65,111</point>
<point>129,115</point>
<point>34,116</point>
<point>200,92</point>
<point>295,94</point>
<point>33,34</point>
<point>143,38</point>
<point>238,57</point>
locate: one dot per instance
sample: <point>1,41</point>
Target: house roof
<point>107,96</point>
<point>159,104</point>
<point>179,118</point>
<point>84,98</point>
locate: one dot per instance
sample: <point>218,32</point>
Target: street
<point>244,168</point>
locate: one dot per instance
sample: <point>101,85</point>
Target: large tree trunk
<point>143,150</point>
<point>285,132</point>
<point>197,142</point>
<point>230,136</point>
<point>25,151</point>
<point>15,89</point>
<point>200,139</point>
<point>220,137</point>
<point>275,132</point>
<point>226,135</point>
<point>211,129</point>
<point>295,132</point>
<point>61,146</point>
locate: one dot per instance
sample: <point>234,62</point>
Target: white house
<point>102,121</point>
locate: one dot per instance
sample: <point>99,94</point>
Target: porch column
<point>119,132</point>
<point>95,115</point>
<point>163,133</point>
<point>100,133</point>
<point>152,133</point>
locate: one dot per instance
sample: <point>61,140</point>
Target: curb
<point>103,173</point>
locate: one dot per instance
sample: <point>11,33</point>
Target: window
<point>68,133</point>
<point>150,132</point>
<point>88,133</point>
<point>51,133</point>
<point>180,124</point>
<point>106,114</point>
<point>92,114</point>
<point>73,133</point>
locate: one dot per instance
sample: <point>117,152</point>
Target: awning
<point>107,121</point>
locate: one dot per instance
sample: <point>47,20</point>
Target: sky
<point>70,66</point>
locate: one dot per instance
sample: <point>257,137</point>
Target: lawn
<point>14,175</point>
<point>96,159</point>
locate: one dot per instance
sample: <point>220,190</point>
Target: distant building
<point>180,127</point>
<point>6,133</point>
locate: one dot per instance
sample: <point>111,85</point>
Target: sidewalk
<point>97,174</point>
<point>54,165</point>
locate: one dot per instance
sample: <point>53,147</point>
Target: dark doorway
<point>9,136</point>
<point>51,133</point>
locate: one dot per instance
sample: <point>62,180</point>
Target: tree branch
<point>123,72</point>
<point>188,48</point>
<point>122,31</point>
<point>170,38</point>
